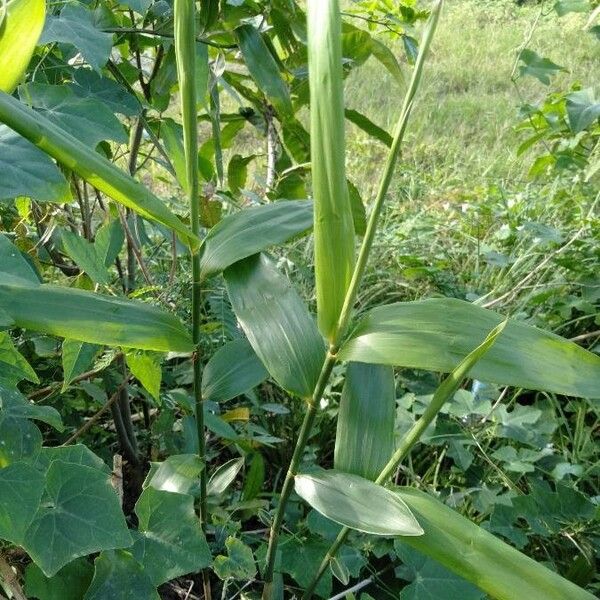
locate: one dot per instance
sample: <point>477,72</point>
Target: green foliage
<point>200,365</point>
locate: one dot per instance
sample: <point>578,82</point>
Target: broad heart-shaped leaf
<point>364,440</point>
<point>79,514</point>
<point>437,334</point>
<point>87,163</point>
<point>333,223</point>
<point>357,503</point>
<point>429,579</point>
<point>93,318</point>
<point>76,358</point>
<point>277,323</point>
<point>85,256</point>
<point>171,542</point>
<point>178,474</point>
<point>481,558</point>
<point>119,576</point>
<point>21,488</point>
<point>76,455</point>
<point>88,84</point>
<point>13,264</point>
<point>239,562</point>
<point>75,26</point>
<point>582,109</point>
<point>20,439</point>
<point>264,69</point>
<point>13,366</point>
<point>252,230</point>
<point>231,371</point>
<point>27,171</point>
<point>87,119</point>
<point>536,66</point>
<point>70,583</point>
<point>19,32</point>
<point>14,405</point>
<point>146,368</point>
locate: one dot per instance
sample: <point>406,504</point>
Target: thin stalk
<point>185,47</point>
<point>350,299</point>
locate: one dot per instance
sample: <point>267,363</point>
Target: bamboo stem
<point>351,294</point>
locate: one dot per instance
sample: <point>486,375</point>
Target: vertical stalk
<point>350,299</point>
<point>185,49</point>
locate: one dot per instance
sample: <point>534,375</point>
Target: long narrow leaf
<point>264,69</point>
<point>334,228</point>
<point>480,557</point>
<point>364,440</point>
<point>252,230</point>
<point>437,334</point>
<point>277,323</point>
<point>357,503</point>
<point>90,165</point>
<point>19,32</point>
<point>89,317</point>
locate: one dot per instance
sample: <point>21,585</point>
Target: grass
<point>462,127</point>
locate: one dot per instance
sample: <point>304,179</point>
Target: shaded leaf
<point>75,26</point>
<point>86,257</point>
<point>582,109</point>
<point>171,543</point>
<point>231,371</point>
<point>277,323</point>
<point>70,583</point>
<point>263,68</point>
<point>27,171</point>
<point>239,562</point>
<point>119,576</point>
<point>536,66</point>
<point>76,359</point>
<point>364,440</point>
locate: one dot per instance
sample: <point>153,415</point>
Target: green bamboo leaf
<point>93,318</point>
<point>19,33</point>
<point>277,323</point>
<point>231,371</point>
<point>357,503</point>
<point>252,230</point>
<point>368,126</point>
<point>264,69</point>
<point>437,334</point>
<point>480,557</point>
<point>87,163</point>
<point>364,439</point>
<point>334,228</point>
<point>209,13</point>
<point>387,58</point>
<point>224,476</point>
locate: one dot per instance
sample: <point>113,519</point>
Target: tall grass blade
<point>20,30</point>
<point>334,228</point>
